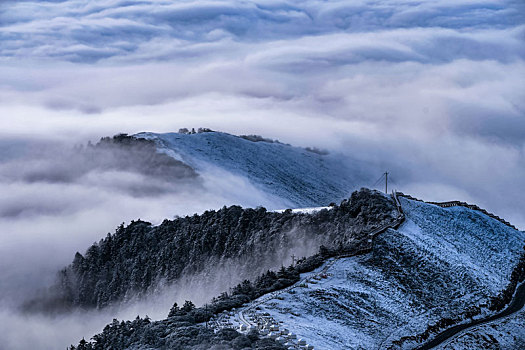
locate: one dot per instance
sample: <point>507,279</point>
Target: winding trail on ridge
<point>515,305</point>
<point>328,264</point>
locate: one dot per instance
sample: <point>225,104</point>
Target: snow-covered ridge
<point>303,210</point>
<point>300,177</point>
<point>437,263</point>
<point>507,333</point>
<point>460,204</point>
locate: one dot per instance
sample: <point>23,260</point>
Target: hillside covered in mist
<point>120,153</point>
<point>441,267</point>
<point>295,176</point>
<point>139,257</point>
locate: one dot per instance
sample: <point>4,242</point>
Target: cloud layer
<point>432,91</point>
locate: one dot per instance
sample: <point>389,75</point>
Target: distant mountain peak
<point>301,177</point>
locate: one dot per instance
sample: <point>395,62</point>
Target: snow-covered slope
<point>436,264</point>
<point>507,334</point>
<point>300,178</point>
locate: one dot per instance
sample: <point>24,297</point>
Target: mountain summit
<point>298,177</point>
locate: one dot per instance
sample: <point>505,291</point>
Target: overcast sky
<point>433,91</point>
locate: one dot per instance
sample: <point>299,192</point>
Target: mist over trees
<point>129,157</point>
<point>128,153</point>
<point>183,329</point>
<point>138,257</point>
<point>180,329</point>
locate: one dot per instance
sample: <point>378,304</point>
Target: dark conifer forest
<point>172,333</point>
<point>136,257</point>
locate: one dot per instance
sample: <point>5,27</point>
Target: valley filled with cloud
<point>432,91</point>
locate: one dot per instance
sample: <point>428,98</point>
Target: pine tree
<point>174,310</point>
<point>188,306</point>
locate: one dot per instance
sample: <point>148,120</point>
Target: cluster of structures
<point>269,327</point>
<point>253,319</point>
<point>223,320</point>
<point>266,325</point>
<point>192,131</point>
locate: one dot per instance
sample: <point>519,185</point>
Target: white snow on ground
<point>436,264</point>
<point>505,334</point>
<point>468,240</point>
<point>304,178</point>
<point>304,210</point>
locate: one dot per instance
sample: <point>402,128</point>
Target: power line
<point>385,176</point>
<point>378,180</point>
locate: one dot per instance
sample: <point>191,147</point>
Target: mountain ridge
<point>137,257</point>
<point>445,247</point>
<point>300,177</point>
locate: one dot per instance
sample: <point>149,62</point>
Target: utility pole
<point>206,314</point>
<point>386,182</point>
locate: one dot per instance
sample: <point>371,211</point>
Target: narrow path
<point>328,264</point>
<point>370,235</point>
<point>515,305</point>
<point>244,320</point>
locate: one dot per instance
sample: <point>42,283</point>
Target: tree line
<point>137,257</point>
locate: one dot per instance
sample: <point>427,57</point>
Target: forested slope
<point>441,267</point>
<point>137,257</point>
<point>172,333</point>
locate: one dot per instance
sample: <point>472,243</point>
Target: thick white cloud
<point>431,90</point>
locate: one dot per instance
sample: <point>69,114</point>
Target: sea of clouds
<point>433,91</point>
